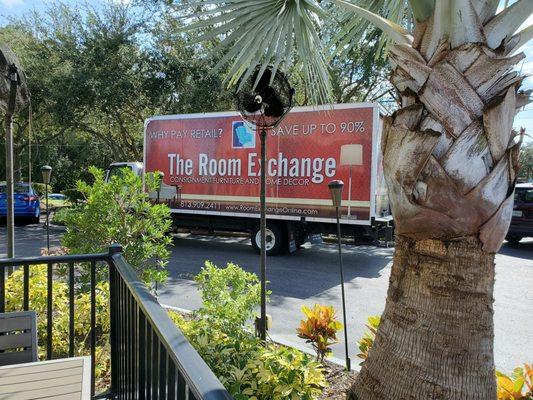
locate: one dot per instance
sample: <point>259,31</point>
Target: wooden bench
<point>18,337</point>
<point>62,379</point>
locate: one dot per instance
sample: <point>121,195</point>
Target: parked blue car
<point>27,204</point>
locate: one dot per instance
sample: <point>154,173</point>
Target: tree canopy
<point>95,75</point>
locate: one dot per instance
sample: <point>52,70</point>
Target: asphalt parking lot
<point>311,276</point>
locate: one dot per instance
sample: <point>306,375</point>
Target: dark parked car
<point>26,205</point>
<point>522,222</point>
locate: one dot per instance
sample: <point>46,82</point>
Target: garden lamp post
<point>335,188</point>
<point>160,176</point>
<point>47,173</point>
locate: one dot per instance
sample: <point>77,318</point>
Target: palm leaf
<point>520,39</point>
<point>269,32</point>
<point>422,9</point>
<point>504,24</point>
<point>393,30</point>
<point>485,9</point>
<point>354,25</point>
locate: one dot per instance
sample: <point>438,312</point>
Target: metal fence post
<point>113,315</point>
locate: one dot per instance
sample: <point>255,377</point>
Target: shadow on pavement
<point>524,249</point>
<point>29,240</point>
<point>287,274</point>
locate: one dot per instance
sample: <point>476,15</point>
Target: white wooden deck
<point>62,379</point>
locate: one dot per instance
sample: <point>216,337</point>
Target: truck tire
<point>274,237</point>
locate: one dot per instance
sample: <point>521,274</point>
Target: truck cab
<point>166,194</point>
<point>115,168</point>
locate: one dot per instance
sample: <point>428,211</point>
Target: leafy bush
<point>120,212</point>
<point>229,295</point>
<point>247,368</point>
<point>368,338</point>
<point>41,189</point>
<point>60,326</point>
<point>320,329</point>
<point>74,196</point>
<point>518,386</point>
<point>221,334</point>
<point>60,215</point>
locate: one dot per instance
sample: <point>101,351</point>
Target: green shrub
<point>120,212</point>
<point>60,215</point>
<point>221,333</point>
<point>248,369</point>
<point>74,196</point>
<point>41,189</point>
<point>230,295</point>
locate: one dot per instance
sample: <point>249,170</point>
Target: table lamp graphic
<point>351,154</point>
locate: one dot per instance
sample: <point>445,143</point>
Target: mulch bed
<point>339,382</point>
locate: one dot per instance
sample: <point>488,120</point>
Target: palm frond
<point>355,26</point>
<point>422,9</point>
<point>267,32</point>
<point>393,30</point>
<point>520,39</point>
<point>504,24</point>
<point>485,9</point>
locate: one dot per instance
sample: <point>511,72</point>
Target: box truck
<point>211,165</point>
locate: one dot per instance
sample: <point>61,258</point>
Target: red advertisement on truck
<point>213,161</point>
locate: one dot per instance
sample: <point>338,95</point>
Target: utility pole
<point>13,82</point>
<point>13,96</point>
<point>263,327</point>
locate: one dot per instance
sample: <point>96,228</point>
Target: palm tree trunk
<point>435,339</point>
<point>450,161</point>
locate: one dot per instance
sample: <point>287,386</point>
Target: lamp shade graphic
<point>351,154</point>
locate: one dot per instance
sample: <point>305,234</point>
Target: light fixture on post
<point>335,188</point>
<point>46,170</point>
<point>160,177</point>
<point>351,154</point>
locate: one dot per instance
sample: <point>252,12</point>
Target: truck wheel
<point>275,241</point>
<point>513,239</point>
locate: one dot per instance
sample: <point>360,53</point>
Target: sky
<point>17,8</point>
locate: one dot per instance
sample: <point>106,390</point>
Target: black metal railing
<point>150,357</point>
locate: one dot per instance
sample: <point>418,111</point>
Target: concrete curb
<point>172,308</point>
<point>282,341</point>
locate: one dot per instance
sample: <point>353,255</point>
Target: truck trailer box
<point>212,163</point>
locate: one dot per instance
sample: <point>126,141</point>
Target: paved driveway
<point>29,239</point>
